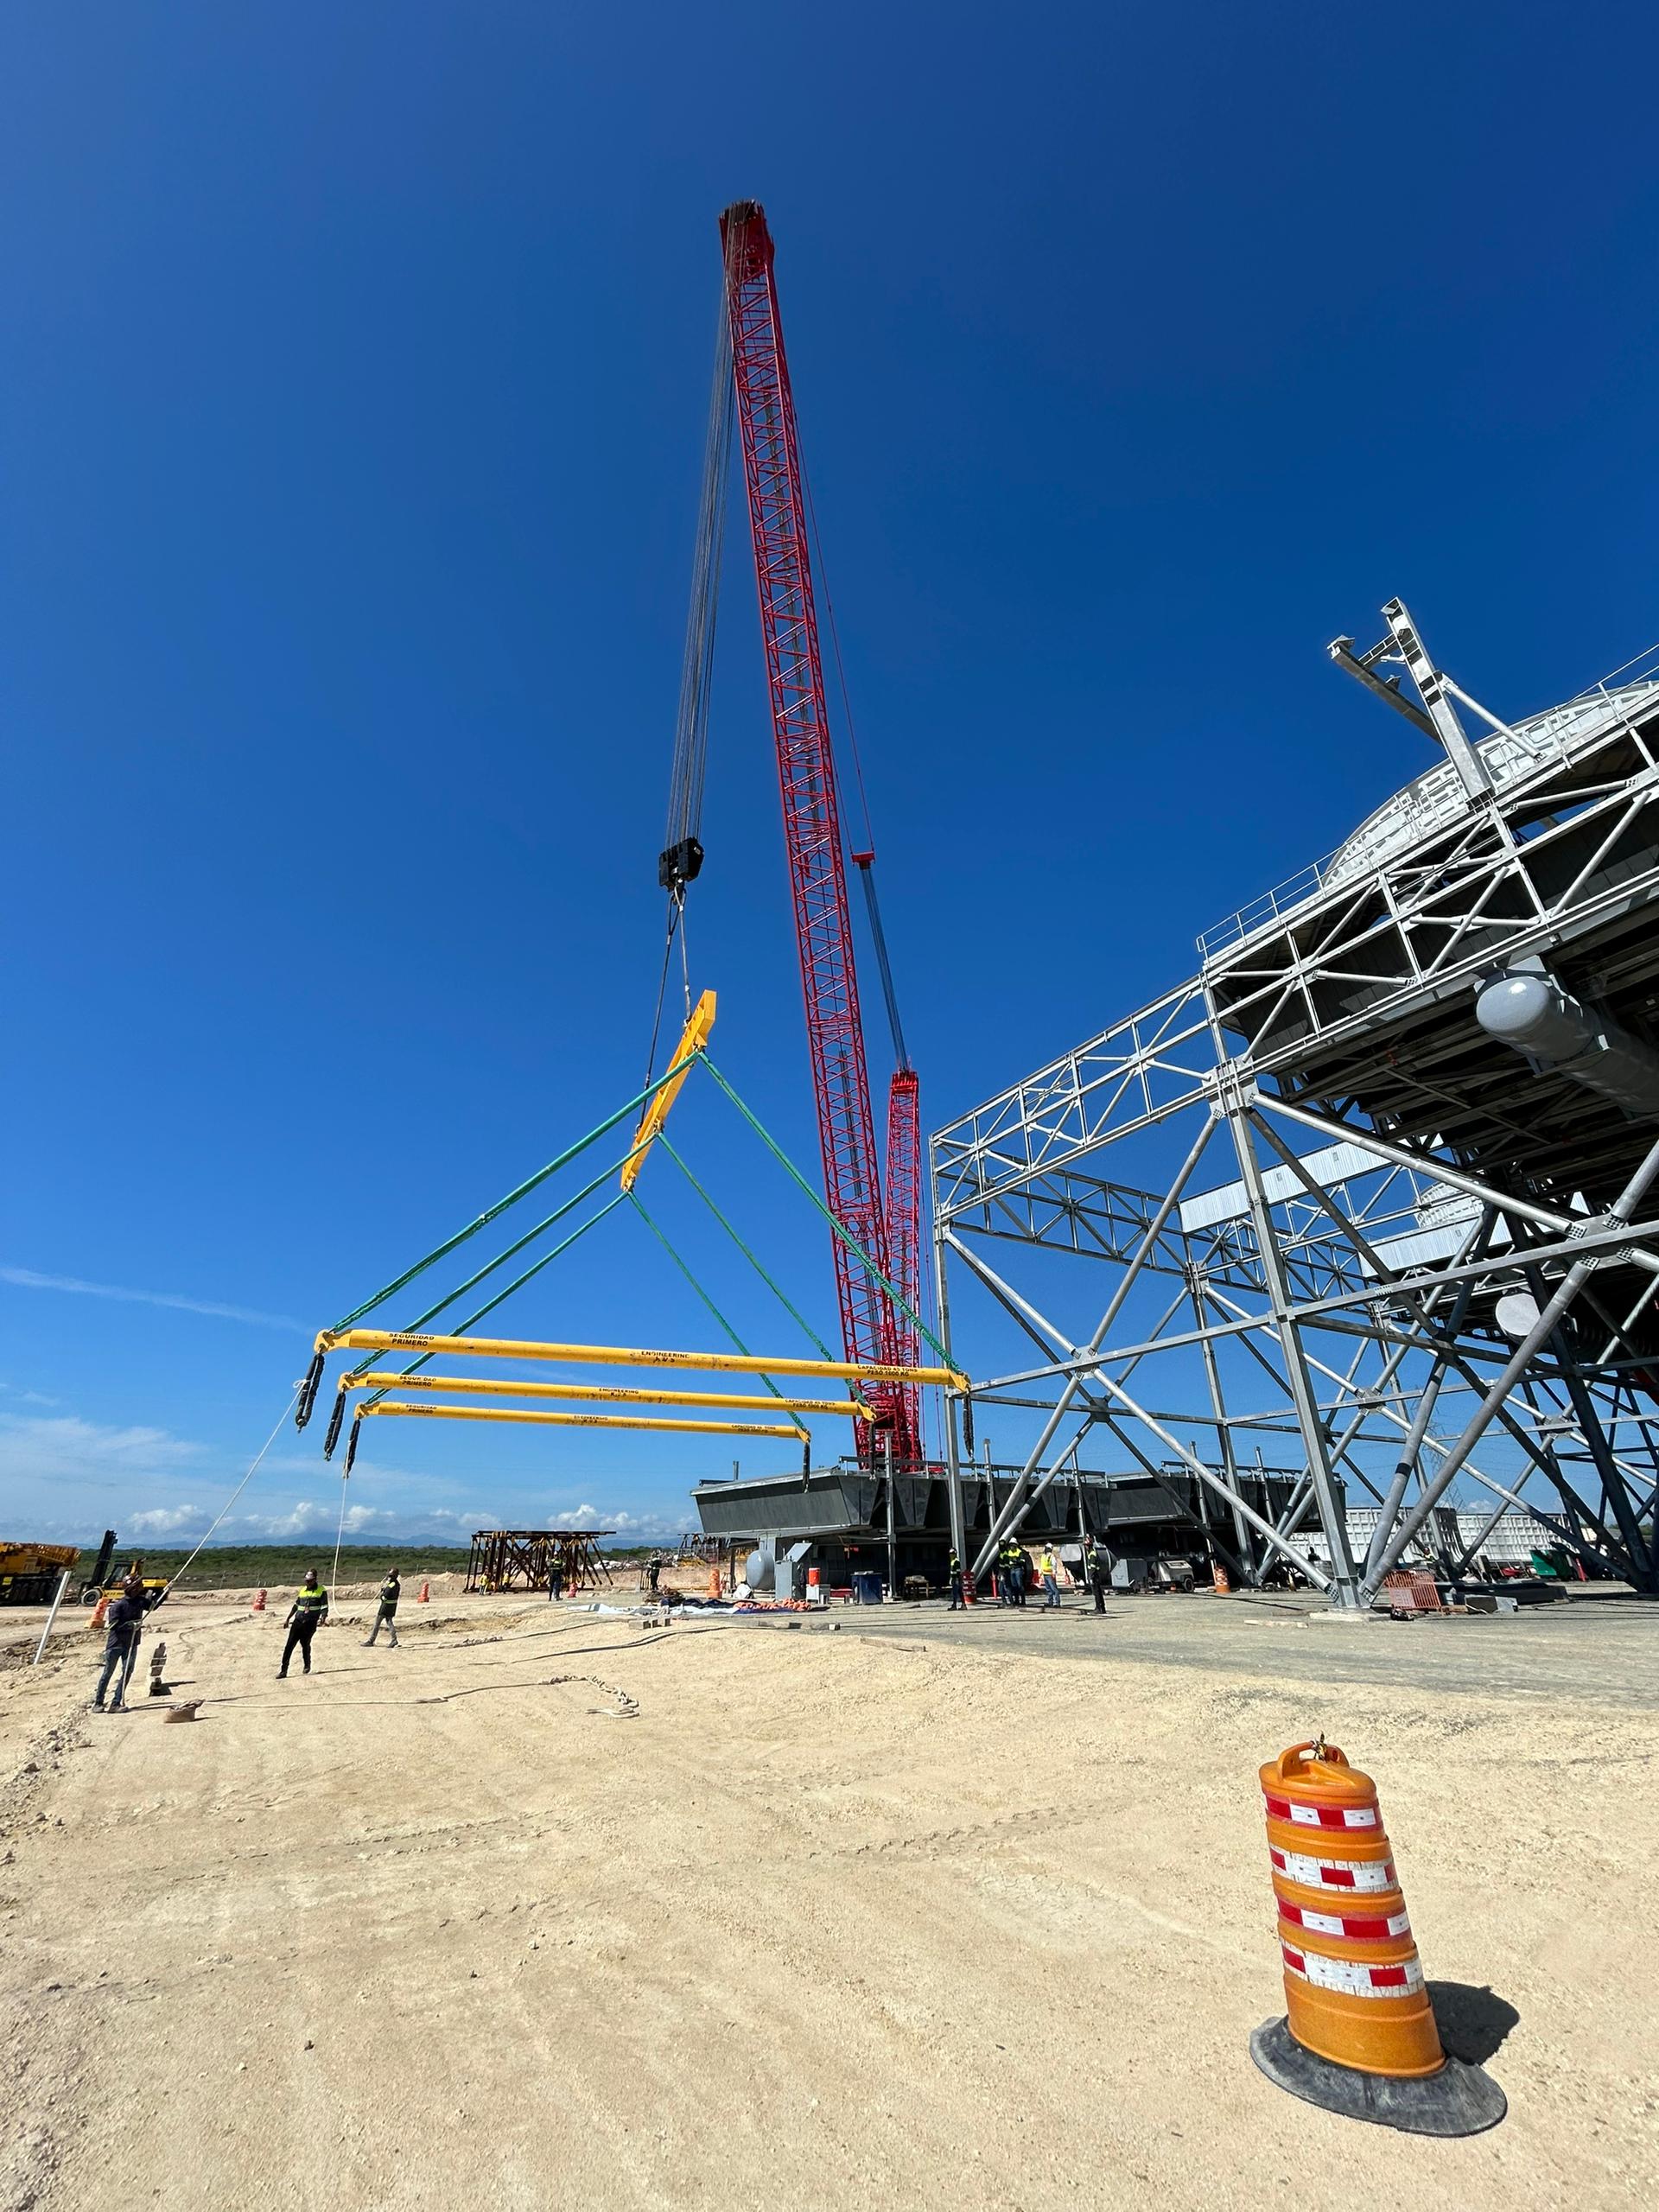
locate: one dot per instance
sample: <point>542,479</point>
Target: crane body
<point>777,522</point>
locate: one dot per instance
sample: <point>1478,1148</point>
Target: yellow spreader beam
<point>484,1386</point>
<point>585,1421</point>
<point>710,1363</point>
<point>693,1037</point>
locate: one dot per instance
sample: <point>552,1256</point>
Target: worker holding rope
<point>385,1616</point>
<point>123,1625</point>
<point>310,1607</point>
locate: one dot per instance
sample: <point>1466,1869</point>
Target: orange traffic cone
<point>98,1611</point>
<point>713,1582</point>
<point>1359,2037</point>
<point>1223,1587</point>
<point>425,1595</point>
<point>258,1605</point>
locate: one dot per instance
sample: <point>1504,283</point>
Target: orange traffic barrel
<point>1359,2036</point>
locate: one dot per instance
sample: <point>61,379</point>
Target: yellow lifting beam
<point>710,1363</point>
<point>693,1037</point>
<point>596,1392</point>
<point>585,1420</point>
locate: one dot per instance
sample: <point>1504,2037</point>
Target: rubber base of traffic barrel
<point>1460,2099</point>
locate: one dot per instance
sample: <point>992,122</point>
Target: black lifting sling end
<point>334,1421</point>
<point>967,1425</point>
<point>351,1448</point>
<point>309,1389</point>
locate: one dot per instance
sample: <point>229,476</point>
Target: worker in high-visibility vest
<point>953,1575</point>
<point>1050,1572</point>
<point>1095,1571</point>
<point>1014,1569</point>
<point>305,1615</point>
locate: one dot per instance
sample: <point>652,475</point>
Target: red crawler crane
<point>871,1329</point>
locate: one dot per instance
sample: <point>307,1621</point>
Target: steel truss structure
<point>1340,1221</point>
<point>524,1559</point>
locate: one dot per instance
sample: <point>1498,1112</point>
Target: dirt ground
<point>899,1909</point>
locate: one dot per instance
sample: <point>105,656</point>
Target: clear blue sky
<point>354,367</point>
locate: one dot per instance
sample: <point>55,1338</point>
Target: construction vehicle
<point>29,1573</point>
<point>102,1582</point>
<point>93,1588</point>
<point>153,1587</point>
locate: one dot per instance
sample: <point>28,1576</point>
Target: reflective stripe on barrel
<point>1402,1980</point>
<point>1321,1816</point>
<point>1357,1927</point>
<point>1333,1873</point>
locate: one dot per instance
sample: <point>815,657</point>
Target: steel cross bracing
<point>1363,1175</point>
<point>773,477</point>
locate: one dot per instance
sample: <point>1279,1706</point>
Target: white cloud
<point>169,1520</point>
<point>646,1527</point>
<point>27,1278</point>
<point>62,1448</point>
<point>68,1476</point>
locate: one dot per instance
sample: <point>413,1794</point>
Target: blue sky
<point>354,365</point>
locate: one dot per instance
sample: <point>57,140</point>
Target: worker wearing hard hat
<point>124,1624</point>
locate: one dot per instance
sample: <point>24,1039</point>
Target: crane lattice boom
<point>772,478</point>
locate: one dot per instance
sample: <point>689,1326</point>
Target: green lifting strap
<point>812,1334</point>
<point>492,1213</point>
<point>736,1340</point>
<point>500,1258</point>
<point>517,1283</point>
<point>849,1240</point>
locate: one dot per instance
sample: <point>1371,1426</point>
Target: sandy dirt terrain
<point>546,1908</point>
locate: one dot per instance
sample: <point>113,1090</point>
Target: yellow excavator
<point>29,1573</point>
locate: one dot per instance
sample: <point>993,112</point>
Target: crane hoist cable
<point>681,855</point>
<point>680,862</point>
<point>865,863</point>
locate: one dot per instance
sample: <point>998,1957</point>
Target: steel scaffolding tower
<point>1374,1189</point>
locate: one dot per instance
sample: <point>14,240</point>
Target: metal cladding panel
<point>1126,1502</point>
<point>1331,1166</point>
<point>844,1502</point>
<point>830,1504</point>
